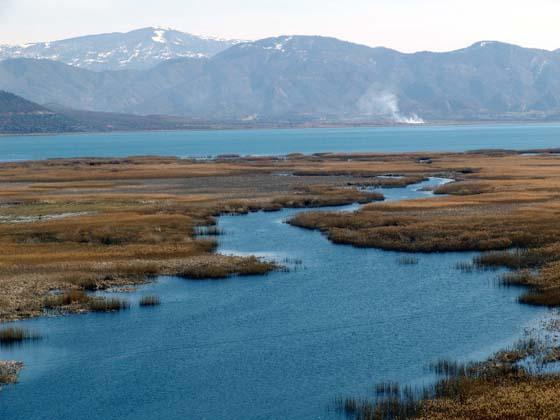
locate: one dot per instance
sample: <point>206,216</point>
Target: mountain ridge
<point>139,49</point>
<point>311,77</point>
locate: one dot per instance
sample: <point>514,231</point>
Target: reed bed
<point>136,217</point>
<point>465,266</point>
<point>250,266</point>
<point>14,335</point>
<point>537,269</point>
<point>491,389</point>
<point>208,231</point>
<point>127,220</point>
<point>73,297</point>
<point>147,301</point>
<point>408,260</point>
<point>103,304</point>
<point>462,188</point>
<point>387,181</point>
<point>77,300</point>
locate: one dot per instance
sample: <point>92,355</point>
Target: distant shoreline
<point>443,123</point>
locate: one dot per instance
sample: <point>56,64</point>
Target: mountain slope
<point>276,77</point>
<point>302,77</point>
<point>13,104</point>
<point>139,49</point>
<point>18,115</point>
<point>325,77</point>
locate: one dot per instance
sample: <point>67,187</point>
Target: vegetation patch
<point>463,188</point>
<point>147,301</point>
<point>13,335</point>
<point>499,388</point>
<point>9,372</point>
<point>77,301</point>
<point>234,266</point>
<point>408,260</point>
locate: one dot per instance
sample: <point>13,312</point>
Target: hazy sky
<point>407,25</point>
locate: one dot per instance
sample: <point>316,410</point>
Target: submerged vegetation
<point>408,260</point>
<point>13,335</point>
<point>150,301</point>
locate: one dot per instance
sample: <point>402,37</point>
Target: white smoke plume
<point>385,104</point>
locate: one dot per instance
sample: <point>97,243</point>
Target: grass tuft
<point>102,304</point>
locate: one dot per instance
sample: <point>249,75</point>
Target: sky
<point>405,25</point>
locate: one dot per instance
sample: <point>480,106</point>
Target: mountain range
<point>307,78</point>
<point>139,49</point>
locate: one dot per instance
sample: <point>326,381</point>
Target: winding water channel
<point>278,346</point>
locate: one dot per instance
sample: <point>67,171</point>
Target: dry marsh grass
<point>507,201</point>
<point>136,218</point>
<point>90,224</point>
<point>130,219</point>
<point>233,266</point>
<point>499,388</point>
<point>77,301</point>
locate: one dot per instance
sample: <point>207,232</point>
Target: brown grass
<point>125,220</point>
<point>233,266</point>
<point>78,301</point>
<point>508,204</point>
<point>498,388</point>
<point>89,224</point>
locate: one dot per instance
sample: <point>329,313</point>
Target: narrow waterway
<point>278,346</point>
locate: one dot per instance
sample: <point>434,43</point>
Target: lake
<point>283,345</point>
<point>282,141</point>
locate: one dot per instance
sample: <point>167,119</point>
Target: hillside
<point>311,78</point>
<point>18,115</point>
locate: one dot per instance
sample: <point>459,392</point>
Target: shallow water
<point>281,141</point>
<point>279,346</point>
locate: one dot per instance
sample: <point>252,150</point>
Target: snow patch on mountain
<point>159,36</point>
<point>139,49</point>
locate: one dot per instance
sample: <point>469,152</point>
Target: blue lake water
<point>282,141</point>
<point>270,347</point>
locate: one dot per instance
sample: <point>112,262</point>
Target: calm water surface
<point>273,347</point>
<point>282,141</point>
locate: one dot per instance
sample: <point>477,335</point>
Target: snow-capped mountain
<point>291,78</point>
<point>139,49</point>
